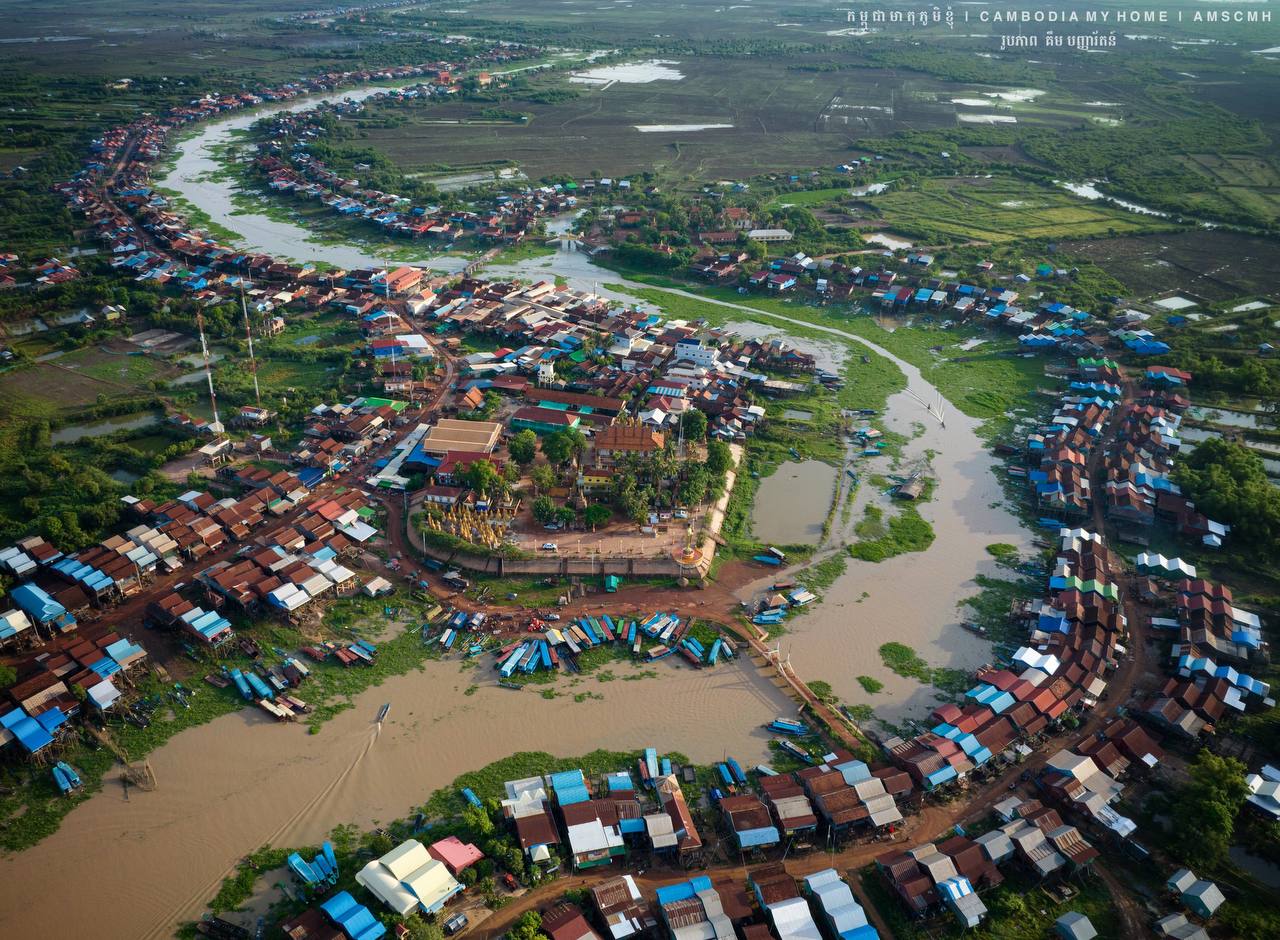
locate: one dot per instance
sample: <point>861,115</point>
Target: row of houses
<point>1063,446</point>
<point>575,343</point>
<point>69,677</point>
<point>1073,644</point>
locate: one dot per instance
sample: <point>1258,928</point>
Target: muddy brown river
<point>135,868</point>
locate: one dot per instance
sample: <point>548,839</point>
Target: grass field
<point>75,380</point>
<point>998,210</point>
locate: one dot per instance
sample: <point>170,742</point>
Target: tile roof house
<point>565,922</point>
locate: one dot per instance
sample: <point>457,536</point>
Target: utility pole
<point>208,372</point>
<point>248,333</point>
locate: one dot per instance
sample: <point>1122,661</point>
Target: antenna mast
<point>253,362</point>
<point>208,372</point>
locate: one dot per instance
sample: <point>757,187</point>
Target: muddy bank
<point>141,866</point>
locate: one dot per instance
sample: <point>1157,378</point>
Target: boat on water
<point>65,776</point>
<point>382,712</point>
<point>974,628</point>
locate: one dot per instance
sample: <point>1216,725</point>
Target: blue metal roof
<point>684,890</point>
<point>36,603</point>
<point>854,771</point>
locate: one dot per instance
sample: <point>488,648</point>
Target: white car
<point>682,514</point>
<point>550,547</point>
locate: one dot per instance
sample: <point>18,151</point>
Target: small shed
<point>1203,897</point>
<point>1074,926</point>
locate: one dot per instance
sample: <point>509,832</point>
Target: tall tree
<point>524,447</point>
<point>1205,808</point>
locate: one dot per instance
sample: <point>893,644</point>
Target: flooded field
<point>78,432</point>
<point>792,503</point>
<point>830,356</point>
<point>142,865</point>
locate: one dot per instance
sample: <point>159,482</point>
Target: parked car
<point>455,923</point>
<point>682,514</point>
<point>550,547</point>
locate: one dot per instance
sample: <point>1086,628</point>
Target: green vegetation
<point>1206,807</point>
<point>902,660</point>
<point>965,209</point>
<point>990,607</point>
<point>870,685</point>
<point>1003,552</point>
<point>907,531</point>
<point>822,690</point>
<point>818,577</point>
<point>1228,483</point>
<point>985,381</point>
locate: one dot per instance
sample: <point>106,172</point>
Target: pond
<point>1228,417</point>
<point>888,241</point>
<point>792,503</point>
<point>77,432</point>
<point>1260,868</point>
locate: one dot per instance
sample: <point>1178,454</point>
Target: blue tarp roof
<point>684,890</point>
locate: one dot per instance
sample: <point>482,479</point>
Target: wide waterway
<point>142,865</point>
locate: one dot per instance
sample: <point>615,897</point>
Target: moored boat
<point>66,777</point>
<point>382,712</point>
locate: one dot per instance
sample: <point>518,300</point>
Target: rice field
<point>998,210</point>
